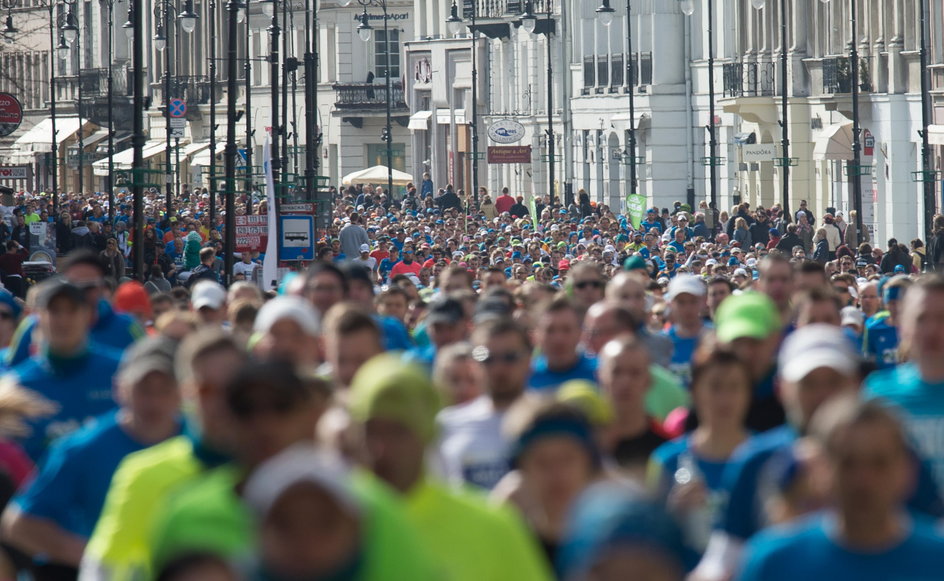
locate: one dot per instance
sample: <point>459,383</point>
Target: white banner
<point>271,263</point>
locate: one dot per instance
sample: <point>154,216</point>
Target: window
<point>377,155</point>
<point>384,62</point>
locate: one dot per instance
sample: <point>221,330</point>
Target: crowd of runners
<point>472,388</point>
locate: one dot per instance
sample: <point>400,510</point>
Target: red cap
<point>130,297</point>
<point>564,264</point>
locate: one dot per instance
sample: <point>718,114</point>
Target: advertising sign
<point>636,208</point>
<point>506,131</point>
<point>509,154</point>
<point>11,114</point>
<point>759,152</point>
<point>252,232</point>
<point>14,173</point>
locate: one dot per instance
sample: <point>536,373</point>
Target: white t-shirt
<point>246,269</point>
<point>472,448</point>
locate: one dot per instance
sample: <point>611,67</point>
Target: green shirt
<point>208,515</point>
<point>665,394</point>
<point>474,540</point>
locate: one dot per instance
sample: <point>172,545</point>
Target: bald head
<point>605,321</point>
<point>626,290</point>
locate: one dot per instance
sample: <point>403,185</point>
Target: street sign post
<point>297,240</point>
<point>177,108</point>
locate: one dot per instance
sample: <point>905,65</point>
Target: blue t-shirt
<point>80,386</point>
<point>809,550</point>
<point>666,459</point>
<point>71,482</point>
<point>880,342</point>
<point>922,405</point>
<point>395,335</point>
<point>646,225</point>
<point>543,378</point>
<point>681,363</point>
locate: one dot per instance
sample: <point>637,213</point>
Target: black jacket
<point>787,243</point>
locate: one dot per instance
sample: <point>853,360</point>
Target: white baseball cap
<point>207,293</point>
<point>814,346</point>
<point>365,248</point>
<point>686,284</point>
<point>288,307</point>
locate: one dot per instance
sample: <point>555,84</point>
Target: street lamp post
<point>311,106</point>
<point>927,174</point>
<point>211,32</point>
<point>70,32</point>
<point>111,120</point>
<point>454,22</point>
<point>854,169</point>
<point>269,7</point>
<point>605,12</point>
<point>785,161</point>
<point>688,8</point>
<point>364,30</point>
<point>188,21</point>
<point>232,7</point>
<point>135,27</point>
<point>529,23</point>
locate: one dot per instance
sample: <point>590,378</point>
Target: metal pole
<point>111,121</point>
<point>311,110</point>
<point>276,161</point>
<point>212,42</point>
<point>856,169</point>
<point>247,68</point>
<point>168,201</point>
<point>784,121</point>
<point>712,137</point>
<point>78,79</point>
<point>230,162</point>
<point>633,183</point>
<point>283,126</point>
<point>177,167</point>
<point>54,144</point>
<point>928,178</point>
<point>137,136</point>
<point>475,108</point>
<point>550,109</point>
<point>389,128</point>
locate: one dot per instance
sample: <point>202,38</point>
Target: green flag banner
<point>532,209</point>
<point>636,208</point>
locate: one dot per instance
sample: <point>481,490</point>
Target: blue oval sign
<point>506,131</point>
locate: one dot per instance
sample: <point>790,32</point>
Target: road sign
<point>176,132</point>
<point>14,173</point>
<point>177,107</point>
<point>11,114</point>
<point>178,122</point>
<point>303,208</point>
<point>252,232</point>
<point>298,235</point>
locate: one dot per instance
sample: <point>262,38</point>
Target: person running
<point>52,517</point>
<point>396,404</point>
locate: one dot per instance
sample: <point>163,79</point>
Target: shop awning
<point>124,159</point>
<point>834,143</point>
<point>936,134</point>
<point>39,137</point>
<point>202,157</point>
<point>420,121</point>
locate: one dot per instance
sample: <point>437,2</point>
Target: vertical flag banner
<point>636,208</point>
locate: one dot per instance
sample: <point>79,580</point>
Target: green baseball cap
<point>634,262</point>
<point>751,314</point>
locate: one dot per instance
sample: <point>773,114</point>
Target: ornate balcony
<point>369,97</point>
<point>749,79</point>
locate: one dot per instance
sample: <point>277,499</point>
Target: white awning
<point>444,116</point>
<point>834,143</point>
<point>39,137</point>
<point>936,134</point>
<point>420,121</point>
<point>202,157</point>
<point>194,148</point>
<point>94,138</point>
<point>124,159</point>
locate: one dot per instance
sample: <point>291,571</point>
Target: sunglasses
<point>589,283</point>
<point>6,316</point>
<point>508,358</point>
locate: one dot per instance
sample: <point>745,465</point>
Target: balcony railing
<point>749,79</point>
<point>493,9</point>
<point>837,75</point>
<point>194,90</point>
<point>363,96</point>
<point>95,82</point>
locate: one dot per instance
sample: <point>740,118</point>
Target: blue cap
<point>515,255</point>
<point>733,261</point>
<point>7,299</point>
<point>899,268</point>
